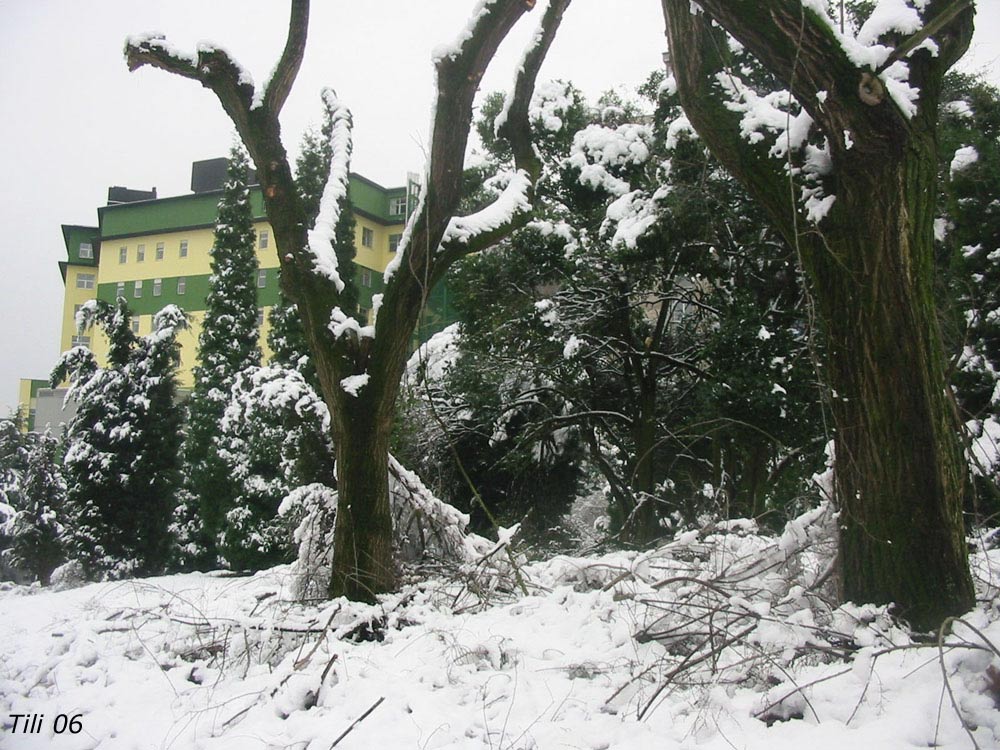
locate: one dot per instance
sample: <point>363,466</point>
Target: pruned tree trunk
<point>900,474</point>
<point>899,470</point>
<point>434,238</point>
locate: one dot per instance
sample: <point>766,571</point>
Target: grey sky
<point>75,121</point>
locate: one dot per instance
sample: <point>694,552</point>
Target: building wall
<point>183,279</point>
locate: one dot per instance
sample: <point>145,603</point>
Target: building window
<point>397,206</point>
<point>363,314</point>
<point>260,316</point>
<point>184,249</point>
<point>119,289</point>
<point>122,254</point>
<point>157,287</point>
<point>262,239</point>
<point>140,253</point>
<point>135,324</point>
<point>138,289</point>
<point>262,278</point>
<point>85,280</point>
<point>181,284</point>
<point>80,341</point>
<point>366,277</point>
<point>159,251</point>
<point>86,250</point>
<point>367,237</point>
<point>394,242</point>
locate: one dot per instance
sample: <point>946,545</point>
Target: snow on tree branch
<point>468,56</point>
<point>321,236</point>
<point>514,199</point>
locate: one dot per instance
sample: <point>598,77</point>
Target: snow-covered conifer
<point>227,345</point>
<point>121,460</point>
<point>35,530</point>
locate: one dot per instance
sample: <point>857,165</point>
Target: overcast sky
<point>74,121</point>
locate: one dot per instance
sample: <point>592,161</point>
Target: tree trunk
<point>362,559</point>
<point>641,525</point>
<point>900,474</point>
<point>899,467</point>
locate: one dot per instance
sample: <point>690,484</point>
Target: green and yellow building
<point>156,251</point>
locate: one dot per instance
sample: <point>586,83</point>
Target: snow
<point>512,201</point>
<point>352,384</point>
<point>216,662</point>
<point>450,50</point>
<point>549,105</point>
<point>321,236</point>
<point>964,158</point>
<point>887,17</point>
<point>598,151</point>
<point>157,40</point>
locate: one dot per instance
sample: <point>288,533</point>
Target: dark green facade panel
<point>193,298</point>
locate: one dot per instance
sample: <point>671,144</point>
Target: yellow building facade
<point>157,251</point>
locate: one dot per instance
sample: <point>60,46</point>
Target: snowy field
<point>721,639</point>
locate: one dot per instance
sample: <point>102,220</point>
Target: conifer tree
<point>121,462</point>
<point>227,345</point>
<point>35,530</point>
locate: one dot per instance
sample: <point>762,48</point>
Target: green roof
<point>198,210</point>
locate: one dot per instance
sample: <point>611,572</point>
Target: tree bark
<point>899,470</point>
<point>900,474</point>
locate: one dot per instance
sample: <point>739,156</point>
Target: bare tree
<point>360,367</point>
<point>867,172</point>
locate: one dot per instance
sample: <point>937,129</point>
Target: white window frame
<point>137,290</point>
<point>123,254</point>
<point>263,238</point>
<point>80,340</point>
<point>140,253</point>
<point>119,289</point>
<point>183,249</point>
<point>135,324</point>
<point>367,237</point>
<point>157,287</point>
<point>86,250</point>
<point>86,280</point>
<point>159,251</point>
<point>398,238</point>
<point>366,277</point>
<point>181,284</point>
<point>397,206</point>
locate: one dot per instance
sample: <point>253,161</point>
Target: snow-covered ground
<point>206,661</point>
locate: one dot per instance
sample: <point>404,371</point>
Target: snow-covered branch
<point>321,236</point>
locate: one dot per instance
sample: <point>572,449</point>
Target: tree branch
<point>279,85</point>
<point>511,211</point>
<point>210,66</point>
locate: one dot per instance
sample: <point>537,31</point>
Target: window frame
<point>89,254</point>
<point>182,249</point>
<point>396,203</point>
<point>123,254</point>
<point>86,280</point>
<point>137,289</point>
<point>367,237</point>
